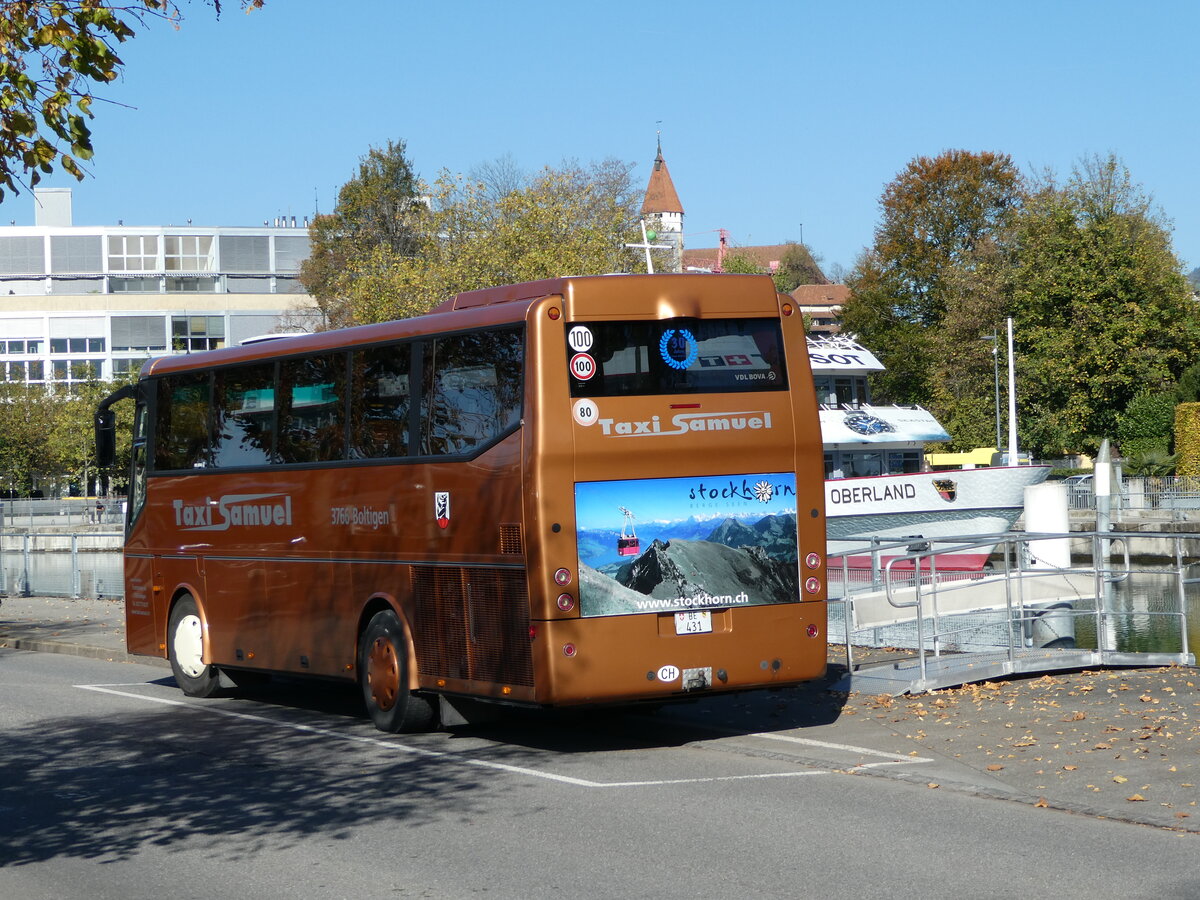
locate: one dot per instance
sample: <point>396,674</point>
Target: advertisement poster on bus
<point>681,544</point>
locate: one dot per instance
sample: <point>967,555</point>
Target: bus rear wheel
<point>383,674</point>
<point>185,648</point>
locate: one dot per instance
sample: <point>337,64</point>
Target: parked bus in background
<point>577,491</point>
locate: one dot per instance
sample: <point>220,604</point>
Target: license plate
<point>693,622</point>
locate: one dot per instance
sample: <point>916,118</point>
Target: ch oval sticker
<point>668,673</point>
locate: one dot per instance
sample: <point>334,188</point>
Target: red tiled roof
<point>821,294</point>
<point>706,257</point>
<point>660,193</point>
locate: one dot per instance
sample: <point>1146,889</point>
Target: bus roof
<point>585,297</point>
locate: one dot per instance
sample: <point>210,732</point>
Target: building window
<point>133,253</point>
<point>288,286</point>
<point>191,333</point>
<point>290,252</point>
<point>187,253</point>
<point>248,284</point>
<point>77,345</point>
<point>22,256</point>
<point>133,285</point>
<point>81,285</point>
<point>245,253</point>
<point>83,369</point>
<point>139,333</point>
<point>177,285</point>
<point>75,369</point>
<point>76,253</point>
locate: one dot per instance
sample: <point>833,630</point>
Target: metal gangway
<point>1122,600</point>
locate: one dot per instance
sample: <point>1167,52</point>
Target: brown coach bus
<point>576,491</point>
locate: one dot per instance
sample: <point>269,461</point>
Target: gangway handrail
<point>1111,564</point>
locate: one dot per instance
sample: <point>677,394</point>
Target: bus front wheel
<point>185,647</point>
<point>383,673</point>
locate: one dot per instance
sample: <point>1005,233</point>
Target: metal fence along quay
<point>62,564</point>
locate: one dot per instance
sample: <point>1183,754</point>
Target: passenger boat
<point>876,481</point>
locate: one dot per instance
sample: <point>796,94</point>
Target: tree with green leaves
<point>1145,425</point>
<point>23,417</point>
<point>932,285</point>
<point>53,54</point>
<point>573,220</point>
<point>873,315</point>
<point>936,216</point>
<point>1103,310</point>
<point>46,433</point>
<point>379,216</point>
<point>738,262</point>
<point>797,266</point>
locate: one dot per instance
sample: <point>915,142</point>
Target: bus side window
<point>312,425</point>
<point>244,416</point>
<point>380,402</point>
<point>182,421</point>
<point>473,391</point>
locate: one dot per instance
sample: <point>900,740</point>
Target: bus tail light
<point>813,631</point>
<point>533,632</point>
<point>566,602</point>
<point>562,577</point>
<point>812,585</point>
<point>813,560</point>
<point>569,650</point>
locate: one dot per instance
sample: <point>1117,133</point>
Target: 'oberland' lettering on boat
<point>872,492</point>
<point>684,423</point>
<point>233,511</point>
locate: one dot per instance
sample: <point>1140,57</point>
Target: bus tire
<point>383,674</point>
<point>185,648</point>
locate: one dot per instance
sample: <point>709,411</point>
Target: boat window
<point>844,386</point>
<point>861,465</point>
<point>903,462</point>
<point>825,392</point>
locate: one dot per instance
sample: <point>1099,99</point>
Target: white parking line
<point>394,745</point>
<point>892,758</point>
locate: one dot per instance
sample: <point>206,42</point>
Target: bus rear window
<point>675,356</point>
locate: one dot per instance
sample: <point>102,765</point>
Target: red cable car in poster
<point>628,543</point>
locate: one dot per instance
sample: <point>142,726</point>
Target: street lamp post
<point>994,337</point>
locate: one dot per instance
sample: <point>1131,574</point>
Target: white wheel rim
<point>189,646</point>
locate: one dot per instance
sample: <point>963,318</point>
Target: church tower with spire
<point>663,213</point>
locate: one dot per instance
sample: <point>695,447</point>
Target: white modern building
<point>81,302</point>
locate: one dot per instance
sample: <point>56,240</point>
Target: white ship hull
<point>950,505</point>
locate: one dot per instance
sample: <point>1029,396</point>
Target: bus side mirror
<point>106,437</point>
<point>106,425</point>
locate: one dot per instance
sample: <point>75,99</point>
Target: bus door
<point>143,623</point>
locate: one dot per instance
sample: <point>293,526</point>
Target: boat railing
<point>863,405</point>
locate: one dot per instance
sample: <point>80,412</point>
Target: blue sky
<point>780,120</point>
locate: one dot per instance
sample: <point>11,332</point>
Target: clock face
<point>865,423</point>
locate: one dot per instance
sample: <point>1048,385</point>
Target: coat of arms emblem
<point>947,488</point>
